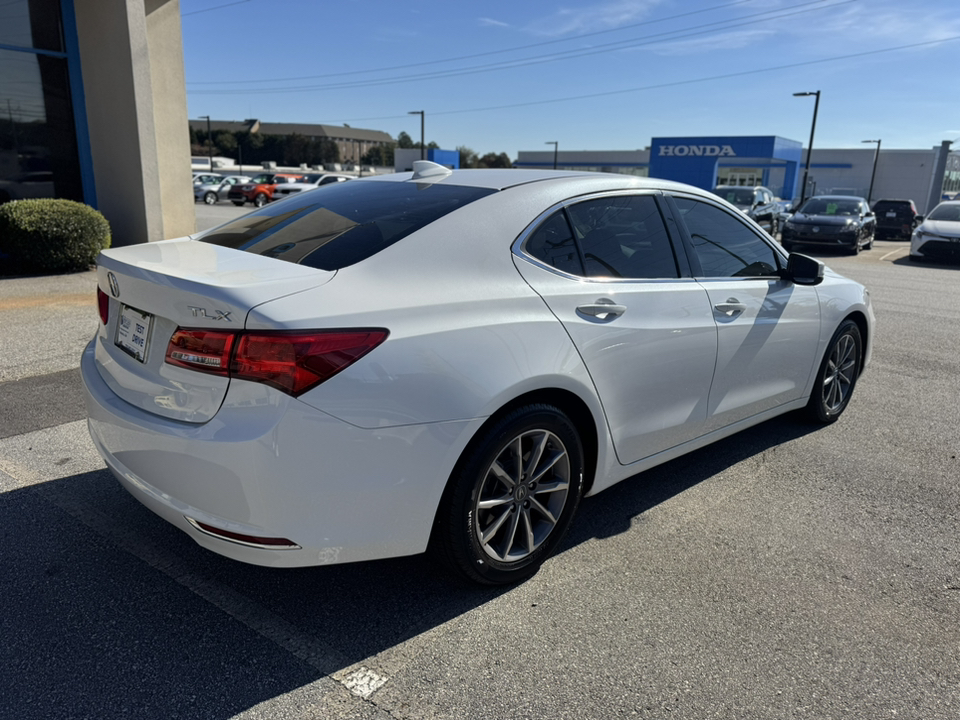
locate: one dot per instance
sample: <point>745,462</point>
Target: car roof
<point>504,178</point>
<point>836,197</point>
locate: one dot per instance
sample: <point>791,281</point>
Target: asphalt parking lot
<point>791,571</point>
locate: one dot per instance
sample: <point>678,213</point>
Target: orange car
<point>260,189</point>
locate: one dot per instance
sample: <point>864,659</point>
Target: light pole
<point>873,175</point>
<point>555,144</point>
<point>209,141</point>
<point>423,148</point>
<point>813,127</point>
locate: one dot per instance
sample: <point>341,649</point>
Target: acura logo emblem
<point>816,228</point>
<point>114,285</point>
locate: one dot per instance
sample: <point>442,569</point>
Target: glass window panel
<point>38,141</point>
<point>623,236</point>
<point>725,246</point>
<point>552,243</point>
<point>31,24</point>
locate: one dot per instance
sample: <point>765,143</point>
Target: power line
<point>476,55</point>
<point>677,83</point>
<point>215,7</point>
<point>697,30</point>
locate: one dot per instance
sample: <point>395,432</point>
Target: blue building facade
<point>699,161</point>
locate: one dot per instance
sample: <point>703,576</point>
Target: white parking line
<point>894,252</point>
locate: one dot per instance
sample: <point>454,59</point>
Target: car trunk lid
<point>155,288</point>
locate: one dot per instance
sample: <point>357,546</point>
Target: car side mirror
<point>803,270</point>
<point>918,219</point>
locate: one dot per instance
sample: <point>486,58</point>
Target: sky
<point>508,76</point>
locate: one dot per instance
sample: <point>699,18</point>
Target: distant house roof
<point>334,132</point>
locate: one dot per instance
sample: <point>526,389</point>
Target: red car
<point>260,189</point>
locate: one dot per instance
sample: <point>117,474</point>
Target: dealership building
<point>923,176</point>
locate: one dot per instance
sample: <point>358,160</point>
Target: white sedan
<point>450,360</point>
<point>938,236</point>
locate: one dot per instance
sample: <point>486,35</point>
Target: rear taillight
<point>206,350</point>
<point>293,362</point>
<point>103,305</point>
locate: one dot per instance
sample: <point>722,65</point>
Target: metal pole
<point>423,147</point>
<point>873,175</point>
<point>209,141</point>
<point>813,127</point>
<point>555,144</point>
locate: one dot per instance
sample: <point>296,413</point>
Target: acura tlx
<point>450,360</point>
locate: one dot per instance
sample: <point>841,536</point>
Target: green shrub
<point>48,235</point>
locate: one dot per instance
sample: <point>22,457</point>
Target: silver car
<point>213,192</point>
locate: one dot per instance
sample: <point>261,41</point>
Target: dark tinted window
<point>552,243</point>
<point>623,236</point>
<point>725,246</point>
<point>342,223</point>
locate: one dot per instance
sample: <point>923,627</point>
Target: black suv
<point>757,203</point>
<point>895,218</point>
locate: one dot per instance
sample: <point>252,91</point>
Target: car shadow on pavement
<point>939,265</point>
<point>111,612</point>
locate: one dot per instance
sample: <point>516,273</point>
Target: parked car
<point>214,192</point>
<point>36,184</point>
<point>845,222</point>
<point>757,203</point>
<point>937,237</point>
<point>260,189</point>
<point>309,182</point>
<point>206,178</point>
<point>895,218</point>
<point>450,360</point>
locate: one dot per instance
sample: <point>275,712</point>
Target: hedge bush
<point>48,235</point>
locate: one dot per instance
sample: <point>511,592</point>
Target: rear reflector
<point>271,543</point>
<point>292,362</point>
<point>103,305</point>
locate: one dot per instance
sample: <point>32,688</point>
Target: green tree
<point>468,158</point>
<point>492,160</point>
<point>405,142</point>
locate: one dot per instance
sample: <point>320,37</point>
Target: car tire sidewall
<point>816,407</point>
<point>455,538</point>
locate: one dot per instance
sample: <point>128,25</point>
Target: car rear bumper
<point>268,465</point>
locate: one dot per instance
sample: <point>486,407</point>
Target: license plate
<point>892,213</point>
<point>133,332</point>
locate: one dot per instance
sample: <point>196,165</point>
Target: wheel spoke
<point>543,511</point>
<point>489,503</point>
<point>511,535</point>
<point>528,528</point>
<point>547,467</point>
<point>487,535</point>
<point>502,475</point>
<point>535,454</point>
<point>549,487</point>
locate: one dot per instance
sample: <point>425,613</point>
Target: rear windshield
<point>895,205</point>
<point>341,224</point>
<point>736,196</point>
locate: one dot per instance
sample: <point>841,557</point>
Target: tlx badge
<point>202,312</point>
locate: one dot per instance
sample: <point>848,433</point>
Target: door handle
<point>602,310</point>
<point>731,307</point>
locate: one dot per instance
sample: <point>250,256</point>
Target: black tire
<point>238,204</point>
<point>838,374</point>
<point>499,518</point>
<point>869,245</point>
<point>260,199</point>
<point>855,250</point>
<point>210,198</point>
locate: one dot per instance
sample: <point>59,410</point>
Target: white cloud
<point>490,22</point>
<point>591,18</point>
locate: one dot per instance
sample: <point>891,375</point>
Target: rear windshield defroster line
<point>338,225</point>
